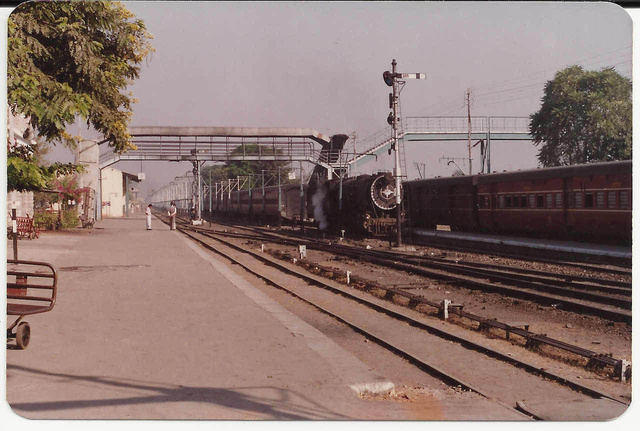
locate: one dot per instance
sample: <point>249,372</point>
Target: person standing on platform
<point>148,213</point>
<point>172,216</point>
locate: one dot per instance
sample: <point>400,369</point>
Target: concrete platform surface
<point>149,326</point>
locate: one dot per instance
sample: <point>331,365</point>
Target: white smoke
<point>318,211</point>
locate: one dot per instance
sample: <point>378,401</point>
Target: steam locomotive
<point>364,204</point>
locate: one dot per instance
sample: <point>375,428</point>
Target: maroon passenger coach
<point>588,202</point>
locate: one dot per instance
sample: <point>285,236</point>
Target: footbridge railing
<point>448,129</point>
<point>220,144</point>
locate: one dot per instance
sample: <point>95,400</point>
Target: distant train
<point>591,201</point>
<point>251,202</point>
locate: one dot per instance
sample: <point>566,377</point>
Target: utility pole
<point>469,133</point>
<point>391,79</point>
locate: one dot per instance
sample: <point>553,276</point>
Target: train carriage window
<point>495,201</point>
<point>624,200</point>
<point>523,201</point>
<point>572,200</point>
<point>549,200</point>
<point>600,200</point>
<point>539,201</point>
<point>532,201</point>
<point>485,202</point>
<point>507,201</point>
<point>559,200</point>
<point>579,200</point>
<point>588,200</point>
<point>612,202</point>
<point>501,201</point>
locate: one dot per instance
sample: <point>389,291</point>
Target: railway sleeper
<point>622,368</point>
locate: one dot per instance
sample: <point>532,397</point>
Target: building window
<point>611,200</point>
<point>624,200</point>
<point>600,200</point>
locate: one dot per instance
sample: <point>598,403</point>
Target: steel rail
<point>481,248</point>
<point>403,317</point>
<point>530,337</point>
<point>445,271</point>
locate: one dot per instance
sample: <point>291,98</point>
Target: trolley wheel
<point>23,335</point>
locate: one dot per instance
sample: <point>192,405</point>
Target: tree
<point>242,168</point>
<point>585,117</point>
<point>67,58</point>
<point>25,173</point>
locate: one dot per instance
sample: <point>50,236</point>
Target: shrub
<point>45,220</point>
<point>70,219</point>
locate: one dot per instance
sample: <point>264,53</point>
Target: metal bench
<point>25,228</point>
<point>31,289</point>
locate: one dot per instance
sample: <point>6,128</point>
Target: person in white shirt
<point>172,216</point>
<point>148,213</point>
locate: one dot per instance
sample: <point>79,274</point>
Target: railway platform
<point>569,250</point>
<point>147,325</point>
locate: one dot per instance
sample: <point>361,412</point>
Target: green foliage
<point>45,220</point>
<point>253,168</point>
<point>24,173</point>
<point>68,58</point>
<point>585,117</point>
<point>70,219</point>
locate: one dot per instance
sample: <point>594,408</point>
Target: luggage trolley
<point>31,289</point>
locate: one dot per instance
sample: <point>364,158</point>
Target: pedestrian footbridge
<point>425,129</point>
<point>222,144</point>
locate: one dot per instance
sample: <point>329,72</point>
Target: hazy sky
<point>319,66</point>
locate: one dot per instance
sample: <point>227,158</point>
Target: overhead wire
<point>453,107</point>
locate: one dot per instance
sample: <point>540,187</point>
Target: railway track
<point>590,263</point>
<point>452,273</point>
<point>604,298</point>
<point>420,341</point>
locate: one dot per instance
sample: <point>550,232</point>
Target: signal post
<point>394,79</point>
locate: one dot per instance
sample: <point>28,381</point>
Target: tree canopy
<point>242,168</point>
<point>26,173</point>
<point>585,117</point>
<point>73,58</point>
